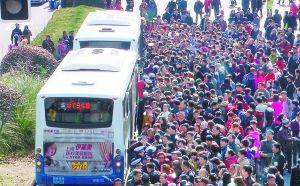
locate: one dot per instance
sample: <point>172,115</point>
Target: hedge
<point>72,3</point>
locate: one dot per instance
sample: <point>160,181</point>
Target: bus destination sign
<point>78,105</point>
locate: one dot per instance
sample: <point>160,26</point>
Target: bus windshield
<point>105,44</point>
<point>78,112</point>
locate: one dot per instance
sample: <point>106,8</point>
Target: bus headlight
<point>38,163</point>
<point>118,157</point>
<point>118,164</point>
<point>38,170</point>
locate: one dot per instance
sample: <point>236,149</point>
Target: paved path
<point>40,15</point>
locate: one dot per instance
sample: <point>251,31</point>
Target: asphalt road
<point>40,15</point>
<point>162,4</point>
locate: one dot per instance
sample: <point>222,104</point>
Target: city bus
<point>109,29</point>
<point>85,117</point>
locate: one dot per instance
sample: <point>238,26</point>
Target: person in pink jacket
<point>119,6</point>
<point>277,106</point>
<point>259,77</point>
<point>207,6</point>
<point>254,142</point>
<point>231,158</point>
<point>294,9</point>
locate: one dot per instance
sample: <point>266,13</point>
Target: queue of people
<point>19,37</point>
<point>219,100</point>
<point>65,44</point>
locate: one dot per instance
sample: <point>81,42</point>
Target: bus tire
<point>34,183</point>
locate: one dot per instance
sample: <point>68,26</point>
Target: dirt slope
<point>17,171</point>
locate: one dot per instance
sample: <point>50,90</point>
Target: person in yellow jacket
<point>269,6</point>
<point>147,116</point>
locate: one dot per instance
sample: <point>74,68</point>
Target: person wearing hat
<point>118,182</point>
<point>295,176</point>
<point>137,178</point>
<point>285,140</point>
<point>135,151</point>
<point>176,155</point>
<point>290,87</point>
<point>135,164</point>
<point>151,151</point>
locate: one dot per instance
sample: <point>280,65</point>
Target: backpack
<point>269,116</point>
<point>260,116</point>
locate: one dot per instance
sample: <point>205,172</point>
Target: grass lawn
<point>64,19</point>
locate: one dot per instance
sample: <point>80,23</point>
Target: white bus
<point>109,29</point>
<point>85,117</point>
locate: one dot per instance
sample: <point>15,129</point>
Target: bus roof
<point>91,72</point>
<point>110,25</point>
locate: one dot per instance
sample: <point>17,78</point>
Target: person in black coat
<point>226,85</point>
<point>166,15</point>
<point>282,79</point>
<point>15,33</point>
<point>205,131</point>
<point>198,6</point>
<point>48,44</point>
<point>290,88</point>
<point>292,65</point>
<point>278,177</point>
<point>292,21</point>
<point>172,6</point>
<point>295,176</point>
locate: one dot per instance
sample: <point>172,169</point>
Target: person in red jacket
<point>230,158</point>
<point>280,63</point>
<point>270,76</point>
<point>285,45</point>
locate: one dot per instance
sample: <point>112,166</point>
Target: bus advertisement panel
<point>66,155</point>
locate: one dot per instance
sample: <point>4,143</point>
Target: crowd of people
<point>19,37</point>
<point>64,45</point>
<point>219,99</point>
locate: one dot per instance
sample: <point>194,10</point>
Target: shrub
<point>18,134</point>
<point>71,3</point>
<point>8,99</point>
<point>30,59</point>
<point>96,3</point>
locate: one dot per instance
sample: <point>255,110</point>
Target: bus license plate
<point>79,165</point>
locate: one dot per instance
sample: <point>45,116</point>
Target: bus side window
<point>124,110</point>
